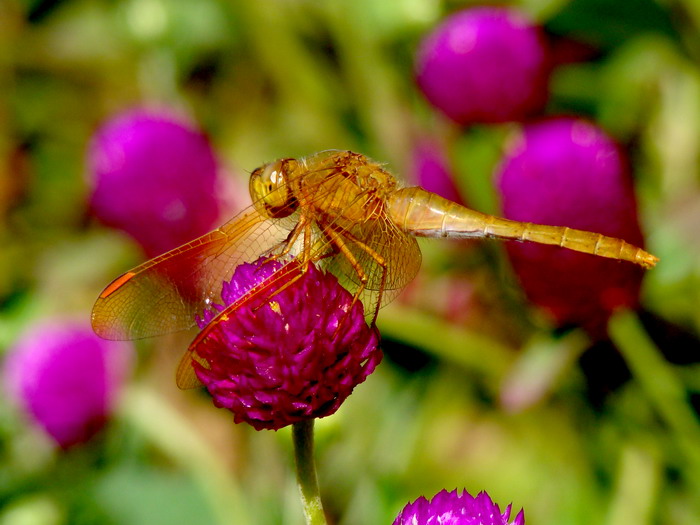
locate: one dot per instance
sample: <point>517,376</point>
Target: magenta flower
<point>295,355</point>
<point>569,172</point>
<point>431,170</point>
<point>484,64</point>
<point>453,508</point>
<point>66,378</point>
<point>155,177</point>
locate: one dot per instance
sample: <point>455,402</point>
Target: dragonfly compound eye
<point>270,191</point>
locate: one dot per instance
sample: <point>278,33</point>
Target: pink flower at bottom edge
<point>454,508</point>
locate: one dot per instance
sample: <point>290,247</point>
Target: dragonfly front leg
<point>304,259</point>
<point>303,225</point>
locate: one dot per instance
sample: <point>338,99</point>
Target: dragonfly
<point>337,209</point>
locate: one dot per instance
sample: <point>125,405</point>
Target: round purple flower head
<point>568,172</point>
<point>432,170</point>
<point>484,64</point>
<point>66,378</point>
<point>453,508</point>
<point>155,177</point>
<point>289,356</point>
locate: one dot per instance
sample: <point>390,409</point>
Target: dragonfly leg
<point>381,262</point>
<point>339,241</point>
<point>303,225</point>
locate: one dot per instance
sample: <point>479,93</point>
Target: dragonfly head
<point>270,189</point>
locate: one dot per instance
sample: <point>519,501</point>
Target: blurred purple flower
<point>431,170</point>
<point>569,172</point>
<point>453,508</point>
<point>296,355</point>
<point>66,378</point>
<point>484,64</point>
<point>155,177</point>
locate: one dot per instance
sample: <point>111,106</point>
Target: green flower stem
<point>303,435</point>
<point>661,384</point>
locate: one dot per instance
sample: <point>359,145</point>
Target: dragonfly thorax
<point>270,190</point>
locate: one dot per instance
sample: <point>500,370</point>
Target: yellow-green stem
<point>303,435</point>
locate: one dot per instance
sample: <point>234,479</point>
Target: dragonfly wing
<point>185,377</point>
<point>164,294</point>
<point>255,298</point>
<point>388,258</point>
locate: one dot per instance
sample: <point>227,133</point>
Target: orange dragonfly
<point>336,209</point>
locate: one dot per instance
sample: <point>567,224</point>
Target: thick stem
<point>303,434</point>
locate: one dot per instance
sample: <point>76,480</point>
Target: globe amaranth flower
<point>453,508</point>
<point>66,378</point>
<point>155,177</point>
<point>292,353</point>
<point>431,169</point>
<point>484,65</point>
<point>568,172</point>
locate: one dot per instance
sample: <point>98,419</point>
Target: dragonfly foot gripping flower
<point>293,355</point>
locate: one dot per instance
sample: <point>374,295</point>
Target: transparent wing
<point>388,258</point>
<point>185,376</point>
<point>164,294</point>
<point>373,247</point>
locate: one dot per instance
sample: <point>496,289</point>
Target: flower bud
<point>484,65</point>
<point>431,170</point>
<point>66,378</point>
<point>568,172</point>
<point>155,177</point>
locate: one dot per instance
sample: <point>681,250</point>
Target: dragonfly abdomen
<point>425,214</point>
<point>572,239</point>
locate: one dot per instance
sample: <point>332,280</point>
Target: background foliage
<point>477,391</point>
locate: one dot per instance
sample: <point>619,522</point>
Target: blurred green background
<point>483,395</point>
